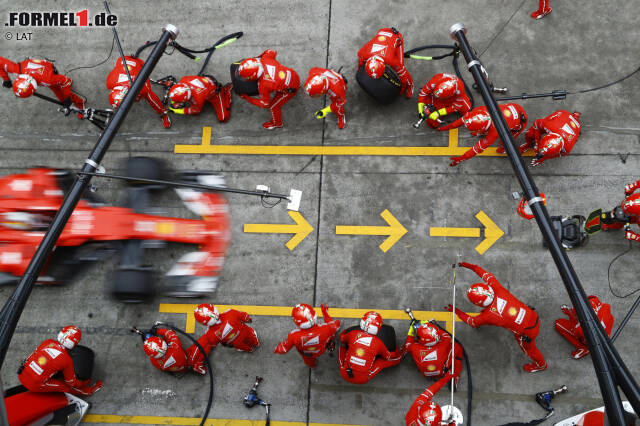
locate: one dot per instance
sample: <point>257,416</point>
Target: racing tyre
<point>241,86</point>
<point>146,168</point>
<point>385,89</point>
<point>387,334</point>
<point>83,358</point>
<point>132,285</point>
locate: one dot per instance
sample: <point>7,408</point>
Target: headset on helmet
<point>477,122</point>
<point>551,145</point>
<point>117,95</point>
<point>206,314</point>
<point>428,334</point>
<point>429,414</point>
<point>24,86</point>
<point>304,316</point>
<point>155,347</point>
<point>317,86</point>
<point>375,66</point>
<point>371,322</point>
<point>480,294</point>
<point>250,69</point>
<point>69,336</point>
<point>179,94</point>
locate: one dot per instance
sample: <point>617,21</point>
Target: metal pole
<point>606,378</point>
<point>625,320</point>
<point>12,309</point>
<point>4,417</point>
<point>115,35</point>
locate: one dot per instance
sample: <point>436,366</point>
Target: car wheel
<point>385,89</point>
<point>132,285</point>
<point>83,358</point>
<point>146,168</point>
<point>241,86</point>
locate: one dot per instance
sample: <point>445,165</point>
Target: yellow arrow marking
<point>395,230</point>
<point>451,150</point>
<point>492,232</point>
<point>188,421</point>
<point>285,311</point>
<point>301,229</point>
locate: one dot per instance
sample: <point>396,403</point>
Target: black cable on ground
<point>593,89</point>
<point>609,273</point>
<point>113,41</point>
<point>209,369</point>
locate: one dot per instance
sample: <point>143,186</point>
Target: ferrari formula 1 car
<point>29,201</point>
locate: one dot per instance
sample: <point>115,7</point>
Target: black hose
<point>209,369</point>
<point>213,49</point>
<point>432,46</point>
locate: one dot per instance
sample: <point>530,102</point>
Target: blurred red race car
<point>28,202</point>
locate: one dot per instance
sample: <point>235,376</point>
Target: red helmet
<point>375,66</point>
<point>206,314</point>
<point>179,94</point>
<point>446,88</point>
<point>595,302</point>
<point>631,205</point>
<point>24,86</point>
<point>317,85</point>
<point>429,414</point>
<point>117,95</point>
<point>304,316</point>
<point>155,347</point>
<point>371,322</point>
<point>551,145</point>
<point>428,334</point>
<point>69,336</point>
<point>477,121</point>
<point>250,69</point>
<point>480,294</point>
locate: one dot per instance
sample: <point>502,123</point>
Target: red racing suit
<point>118,77</point>
<point>631,208</point>
<point>204,89</point>
<point>45,74</point>
<point>388,43</point>
<point>435,361</point>
<point>459,102</point>
<point>365,356</point>
<point>543,9</point>
<point>337,91</point>
<point>310,342</point>
<point>571,330</point>
<point>174,360</point>
<point>230,330</point>
<point>508,312</point>
<point>411,417</point>
<point>48,359</point>
<point>516,119</point>
<point>278,80</point>
<point>561,123</point>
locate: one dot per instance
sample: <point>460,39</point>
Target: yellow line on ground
<point>454,232</point>
<point>187,421</point>
<point>451,150</point>
<point>300,230</point>
<point>285,311</point>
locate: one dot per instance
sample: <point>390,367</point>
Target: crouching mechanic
<point>386,48</point>
<point>503,309</point>
<point>571,330</point>
<point>442,95</point>
<point>323,81</point>
<point>118,84</point>
<point>430,347</point>
<point>478,122</point>
<point>362,354</point>
<point>310,338</point>
<point>273,78</point>
<point>38,72</point>
<point>189,95</point>
<point>627,213</point>
<point>50,358</point>
<point>552,136</point>
<point>165,351</point>
<point>228,328</point>
<point>425,412</point>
